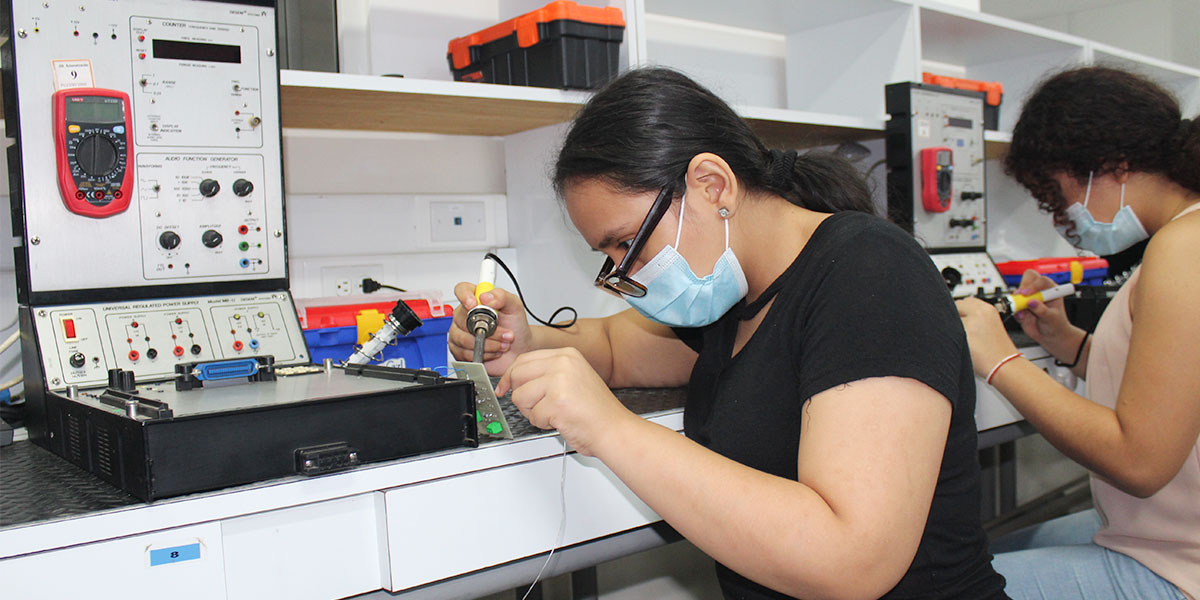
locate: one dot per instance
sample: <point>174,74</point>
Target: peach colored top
<point>1163,531</point>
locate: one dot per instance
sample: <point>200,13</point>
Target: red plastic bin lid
<point>1051,265</point>
<point>526,27</point>
<point>345,315</point>
<point>993,89</point>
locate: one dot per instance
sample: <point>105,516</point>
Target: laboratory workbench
<point>455,523</point>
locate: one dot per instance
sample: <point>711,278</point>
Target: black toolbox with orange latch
<point>561,45</point>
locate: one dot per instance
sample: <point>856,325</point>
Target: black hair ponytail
<point>640,132</point>
<point>1185,169</point>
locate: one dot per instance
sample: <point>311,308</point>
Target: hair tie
<point>781,168</point>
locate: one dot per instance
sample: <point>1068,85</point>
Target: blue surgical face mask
<point>1104,239</point>
<point>675,296</point>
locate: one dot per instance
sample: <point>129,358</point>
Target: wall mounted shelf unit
<point>804,72</point>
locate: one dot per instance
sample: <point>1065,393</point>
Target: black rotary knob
<point>211,238</point>
<point>96,155</point>
<point>77,360</point>
<point>242,187</point>
<point>169,240</point>
<point>209,188</point>
<point>952,276</point>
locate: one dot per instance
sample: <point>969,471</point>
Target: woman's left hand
<point>986,336</point>
<point>558,389</point>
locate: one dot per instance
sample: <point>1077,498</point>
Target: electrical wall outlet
<point>347,280</point>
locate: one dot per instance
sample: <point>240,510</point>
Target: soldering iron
<point>400,322</point>
<point>1011,304</point>
<point>481,320</point>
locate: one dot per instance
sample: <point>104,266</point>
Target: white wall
<point>1165,29</point>
<point>351,201</point>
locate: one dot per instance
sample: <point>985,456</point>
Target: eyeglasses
<point>617,279</point>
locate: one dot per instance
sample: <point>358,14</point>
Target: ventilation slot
<point>105,452</point>
<point>75,435</point>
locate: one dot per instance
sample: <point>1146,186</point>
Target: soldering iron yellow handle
<point>1020,303</point>
<point>487,278</point>
<point>482,288</point>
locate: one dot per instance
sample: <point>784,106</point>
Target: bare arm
<point>868,462</point>
<point>1142,444</point>
<point>1047,324</point>
<point>626,349</point>
<point>636,351</point>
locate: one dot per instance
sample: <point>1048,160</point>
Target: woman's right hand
<point>513,335</point>
<point>1045,322</point>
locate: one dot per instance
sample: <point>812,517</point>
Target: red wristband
<point>1002,362</point>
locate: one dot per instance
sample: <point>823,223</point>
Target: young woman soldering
<point>1108,155</point>
<point>831,443</point>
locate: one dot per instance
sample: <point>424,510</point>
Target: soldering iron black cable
<point>574,313</point>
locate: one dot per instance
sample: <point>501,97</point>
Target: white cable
<point>11,340</point>
<point>562,521</point>
<point>7,385</point>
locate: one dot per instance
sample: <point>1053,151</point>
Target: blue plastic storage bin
<point>424,348</point>
<point>1090,277</point>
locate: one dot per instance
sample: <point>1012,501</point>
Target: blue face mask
<point>1104,239</point>
<point>676,297</point>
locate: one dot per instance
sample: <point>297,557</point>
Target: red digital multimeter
<point>93,149</point>
<point>937,176</point>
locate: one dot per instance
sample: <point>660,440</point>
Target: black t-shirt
<point>861,300</point>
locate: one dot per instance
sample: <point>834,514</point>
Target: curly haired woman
<point>1107,154</point>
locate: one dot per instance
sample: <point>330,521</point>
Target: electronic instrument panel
<point>165,122</point>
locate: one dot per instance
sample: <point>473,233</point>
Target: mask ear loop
<point>1122,195</point>
<point>679,227</point>
<point>1087,195</point>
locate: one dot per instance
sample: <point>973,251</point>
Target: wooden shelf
<point>995,144</point>
<point>362,102</point>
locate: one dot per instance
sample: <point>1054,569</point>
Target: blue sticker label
<point>166,556</point>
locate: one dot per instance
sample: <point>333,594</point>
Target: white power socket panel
<point>347,280</point>
<point>462,221</point>
<point>459,222</point>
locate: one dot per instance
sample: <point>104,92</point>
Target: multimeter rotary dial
<point>96,155</point>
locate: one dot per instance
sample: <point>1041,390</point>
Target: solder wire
<point>562,521</point>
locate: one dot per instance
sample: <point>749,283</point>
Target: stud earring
<point>724,212</point>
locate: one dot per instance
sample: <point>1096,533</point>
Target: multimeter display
<point>95,109</point>
<point>92,147</point>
